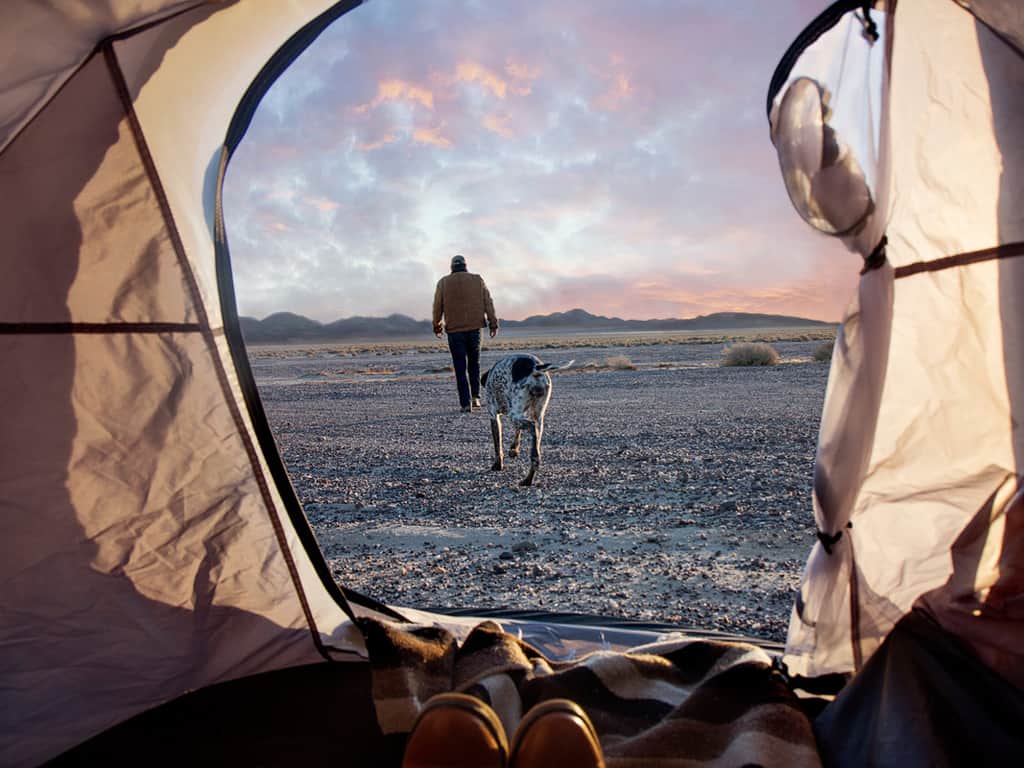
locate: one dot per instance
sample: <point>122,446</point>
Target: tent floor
<point>321,714</point>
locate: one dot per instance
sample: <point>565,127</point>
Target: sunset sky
<point>580,153</point>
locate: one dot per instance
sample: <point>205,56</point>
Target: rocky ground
<point>673,490</point>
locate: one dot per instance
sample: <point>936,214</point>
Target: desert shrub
<point>619,363</point>
<point>750,353</point>
<point>823,354</point>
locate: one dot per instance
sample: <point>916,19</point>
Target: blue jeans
<point>465,349</point>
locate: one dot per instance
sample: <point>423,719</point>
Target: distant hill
<point>288,327</point>
<point>581,320</point>
<point>285,326</point>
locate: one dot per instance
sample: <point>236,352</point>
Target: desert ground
<point>673,489</point>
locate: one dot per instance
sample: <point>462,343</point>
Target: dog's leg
<point>513,450</point>
<point>535,433</point>
<point>499,462</point>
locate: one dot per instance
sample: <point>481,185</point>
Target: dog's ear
<point>555,366</point>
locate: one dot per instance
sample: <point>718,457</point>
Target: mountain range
<point>287,326</point>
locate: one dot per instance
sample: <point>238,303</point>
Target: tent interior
<point>163,596</point>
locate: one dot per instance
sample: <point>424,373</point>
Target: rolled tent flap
<point>825,110</point>
<point>825,124</point>
<point>942,445</point>
<point>147,550</point>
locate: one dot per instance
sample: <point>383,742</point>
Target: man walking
<point>463,300</point>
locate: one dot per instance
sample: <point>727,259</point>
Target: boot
<point>556,734</point>
<point>454,730</point>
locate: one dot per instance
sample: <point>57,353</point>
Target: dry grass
<point>514,343</point>
<point>619,363</point>
<point>372,371</point>
<point>823,354</point>
<point>748,353</point>
<point>612,363</point>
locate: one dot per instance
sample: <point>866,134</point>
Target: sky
<point>598,154</point>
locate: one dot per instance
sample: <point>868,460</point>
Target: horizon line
<point>548,314</point>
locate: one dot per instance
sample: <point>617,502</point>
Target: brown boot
<point>556,734</point>
<point>454,730</point>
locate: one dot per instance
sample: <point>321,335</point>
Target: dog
<point>519,386</point>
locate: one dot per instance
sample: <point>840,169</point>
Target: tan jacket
<point>463,299</point>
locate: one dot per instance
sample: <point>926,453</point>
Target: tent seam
<point>115,328</point>
<point>206,331</point>
<point>967,258</point>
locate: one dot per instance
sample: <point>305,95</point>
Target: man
<point>463,300</point>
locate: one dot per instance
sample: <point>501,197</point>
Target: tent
<point>921,432</point>
<point>158,569</point>
<point>900,130</point>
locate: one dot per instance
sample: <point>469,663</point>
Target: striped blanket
<point>672,704</point>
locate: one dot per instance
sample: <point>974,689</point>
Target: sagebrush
<point>750,353</point>
<point>619,363</point>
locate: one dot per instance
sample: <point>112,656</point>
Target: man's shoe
<point>476,402</point>
<point>467,409</point>
<point>454,730</point>
<point>556,734</point>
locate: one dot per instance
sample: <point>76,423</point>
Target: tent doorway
<point>674,490</point>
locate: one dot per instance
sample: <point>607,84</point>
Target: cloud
<point>471,72</point>
<point>369,146</point>
<point>618,93</point>
<point>498,124</point>
<point>431,136</point>
<point>397,90</point>
<point>322,204</point>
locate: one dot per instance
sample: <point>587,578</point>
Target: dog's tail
<point>483,377</point>
<point>554,366</point>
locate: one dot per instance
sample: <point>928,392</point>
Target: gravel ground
<point>676,492</point>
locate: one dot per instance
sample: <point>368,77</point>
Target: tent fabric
<point>982,603</point>
<point>76,170</point>
<point>675,702</point>
<point>148,552</point>
<point>929,397</point>
<point>32,74</point>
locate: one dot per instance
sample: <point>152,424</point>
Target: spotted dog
<point>519,386</point>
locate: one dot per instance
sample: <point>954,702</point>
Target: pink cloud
<point>397,90</point>
<point>497,124</point>
<point>619,91</point>
<point>471,72</point>
<point>520,70</point>
<point>370,146</point>
<point>431,136</point>
<point>322,204</point>
<point>523,73</point>
<point>819,298</point>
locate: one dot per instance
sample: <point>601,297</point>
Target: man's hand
<point>494,332</point>
<point>438,334</point>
